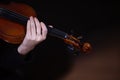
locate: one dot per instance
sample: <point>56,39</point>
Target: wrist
<point>23,50</point>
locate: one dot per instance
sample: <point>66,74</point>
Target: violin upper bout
<point>21,8</point>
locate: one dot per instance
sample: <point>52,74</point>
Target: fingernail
<point>31,17</point>
<point>41,22</point>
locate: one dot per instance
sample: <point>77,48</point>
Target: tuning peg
<point>79,37</point>
<point>72,50</point>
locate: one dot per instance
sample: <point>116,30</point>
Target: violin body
<point>11,31</point>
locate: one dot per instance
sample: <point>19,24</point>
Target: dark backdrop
<point>98,23</point>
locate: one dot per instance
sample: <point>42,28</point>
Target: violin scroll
<point>86,48</point>
<point>78,45</point>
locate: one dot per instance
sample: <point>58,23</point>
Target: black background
<point>98,23</point>
<point>96,20</point>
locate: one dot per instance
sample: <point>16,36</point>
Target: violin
<point>13,18</point>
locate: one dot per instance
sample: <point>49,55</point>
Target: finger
<point>44,30</point>
<point>38,26</point>
<point>28,31</point>
<point>32,27</point>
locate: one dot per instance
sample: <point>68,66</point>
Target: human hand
<point>35,34</point>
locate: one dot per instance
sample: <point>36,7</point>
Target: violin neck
<point>8,14</point>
